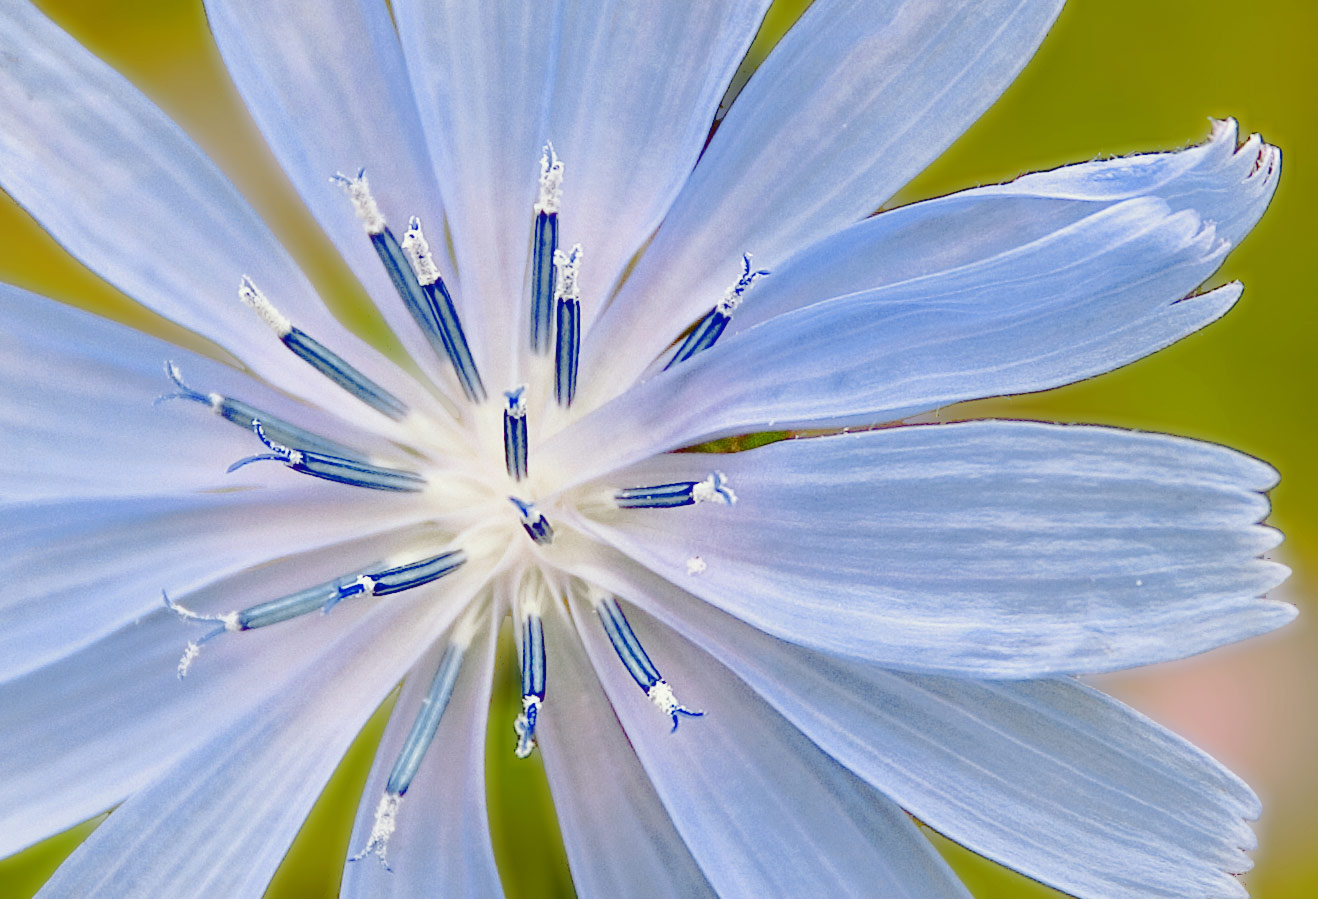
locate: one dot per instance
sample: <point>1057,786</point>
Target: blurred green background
<point>1115,76</point>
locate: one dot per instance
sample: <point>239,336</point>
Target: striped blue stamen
<point>533,684</point>
<point>637,662</point>
<point>415,746</point>
<point>710,328</point>
<point>441,313</point>
<point>341,470</point>
<point>406,278</point>
<point>423,729</point>
<point>680,493</point>
<point>660,496</point>
<point>567,343</point>
<point>333,366</point>
<point>276,611</point>
<point>406,284</point>
<point>243,415</point>
<point>322,596</point>
<point>514,433</point>
<point>705,334</point>
<point>544,244</point>
<point>320,357</point>
<point>537,527</point>
<point>416,574</point>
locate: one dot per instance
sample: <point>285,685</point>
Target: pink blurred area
<point>1254,707</point>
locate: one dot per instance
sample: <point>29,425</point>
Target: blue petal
<point>124,190</point>
<point>77,408</point>
<point>442,844</point>
<point>635,91</point>
<point>954,276</point>
<point>619,838</point>
<point>325,82</point>
<point>1001,549</point>
<point>857,98</point>
<point>82,569</point>
<point>1049,777</point>
<point>482,75</point>
<point>219,823</point>
<point>1223,184</point>
<point>81,734</point>
<point>1080,301</point>
<point>763,810</point>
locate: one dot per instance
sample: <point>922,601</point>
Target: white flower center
<point>494,509</point>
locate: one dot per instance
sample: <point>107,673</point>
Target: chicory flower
<point>746,671</point>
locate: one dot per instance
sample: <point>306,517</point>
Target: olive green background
<point>1115,76</point>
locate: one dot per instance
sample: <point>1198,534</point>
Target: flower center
<point>498,519</point>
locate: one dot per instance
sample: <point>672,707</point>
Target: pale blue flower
<point>868,625</point>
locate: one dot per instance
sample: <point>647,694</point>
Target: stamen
<point>244,415</point>
<point>714,487</point>
<point>386,822</point>
<point>637,663</point>
<point>392,256</point>
<point>567,344</point>
<point>274,319</point>
<point>551,181</point>
<point>536,525</point>
<point>190,653</point>
<point>354,472</point>
<point>708,330</point>
<point>533,683</point>
<point>681,493</point>
<point>514,433</point>
<point>227,622</point>
<point>320,357</point>
<point>414,749</point>
<point>418,253</point>
<point>423,729</point>
<point>439,317</point>
<point>414,574</point>
<point>323,596</point>
<point>544,244</point>
<point>363,202</point>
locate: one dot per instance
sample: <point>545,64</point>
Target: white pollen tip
<point>733,296</point>
<point>181,610</point>
<point>175,374</point>
<point>551,182</point>
<point>276,320</point>
<point>187,614</point>
<point>567,267</point>
<point>386,822</point>
<point>714,487</point>
<point>662,696</point>
<point>417,249</point>
<point>190,653</point>
<point>524,726</point>
<point>695,565</point>
<point>363,201</point>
